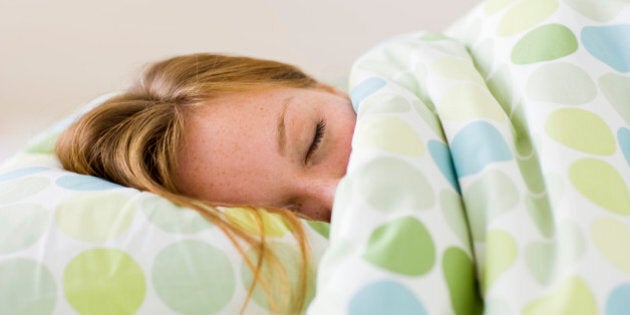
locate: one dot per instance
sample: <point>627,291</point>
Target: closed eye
<point>320,129</point>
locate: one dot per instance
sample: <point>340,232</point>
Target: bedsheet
<point>490,168</point>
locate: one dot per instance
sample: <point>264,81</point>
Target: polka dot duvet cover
<point>490,170</point>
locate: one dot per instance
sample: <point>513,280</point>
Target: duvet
<point>490,170</point>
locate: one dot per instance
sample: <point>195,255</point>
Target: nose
<point>318,199</point>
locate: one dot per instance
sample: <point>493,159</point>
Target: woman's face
<point>283,147</point>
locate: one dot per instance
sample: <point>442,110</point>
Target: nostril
<point>314,212</point>
<point>324,214</point>
<point>328,215</point>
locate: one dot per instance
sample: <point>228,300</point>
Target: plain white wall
<point>57,55</point>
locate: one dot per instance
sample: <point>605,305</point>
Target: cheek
<point>346,131</point>
<point>350,119</point>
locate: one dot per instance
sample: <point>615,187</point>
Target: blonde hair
<point>133,138</point>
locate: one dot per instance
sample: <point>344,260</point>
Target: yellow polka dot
<point>388,133</point>
<point>457,69</point>
<point>467,102</point>
<point>273,224</point>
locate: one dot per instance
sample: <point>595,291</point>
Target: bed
<point>489,174</point>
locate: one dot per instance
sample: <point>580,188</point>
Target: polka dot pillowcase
<point>75,244</point>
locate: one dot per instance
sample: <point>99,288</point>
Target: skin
<point>233,150</point>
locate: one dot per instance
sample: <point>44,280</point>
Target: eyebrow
<point>282,135</point>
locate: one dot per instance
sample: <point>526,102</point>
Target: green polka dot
<point>453,210</point>
<point>171,218</point>
<point>457,69</point>
<point>547,42</point>
<point>21,225</point>
<point>18,189</point>
<point>488,197</point>
<point>403,246</point>
<point>524,15</point>
<point>103,282</point>
<point>460,276</point>
<point>322,228</point>
<point>384,103</point>
<point>616,89</point>
<point>432,36</point>
<point>567,126</point>
<point>611,239</point>
<point>388,133</point>
<point>539,210</point>
<point>600,183</point>
<point>393,184</point>
<point>193,277</point>
<point>540,259</point>
<point>467,102</point>
<point>500,85</point>
<point>27,288</point>
<point>43,145</point>
<point>493,6</point>
<point>501,252</point>
<point>95,216</point>
<point>600,11</point>
<point>530,169</point>
<point>276,276</point>
<point>561,83</point>
<point>522,138</point>
<point>578,300</point>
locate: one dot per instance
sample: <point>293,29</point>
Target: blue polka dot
<point>385,297</point>
<point>21,172</point>
<point>365,89</point>
<point>623,136</point>
<point>442,157</point>
<point>619,300</point>
<point>610,44</point>
<point>477,145</point>
<point>85,183</point>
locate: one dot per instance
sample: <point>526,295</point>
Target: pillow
<point>72,243</point>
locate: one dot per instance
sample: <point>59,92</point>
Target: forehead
<point>216,157</point>
<point>230,123</point>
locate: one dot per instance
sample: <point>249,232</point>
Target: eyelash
<point>320,129</point>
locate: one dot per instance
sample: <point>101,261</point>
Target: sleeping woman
<point>208,130</point>
<point>221,129</point>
